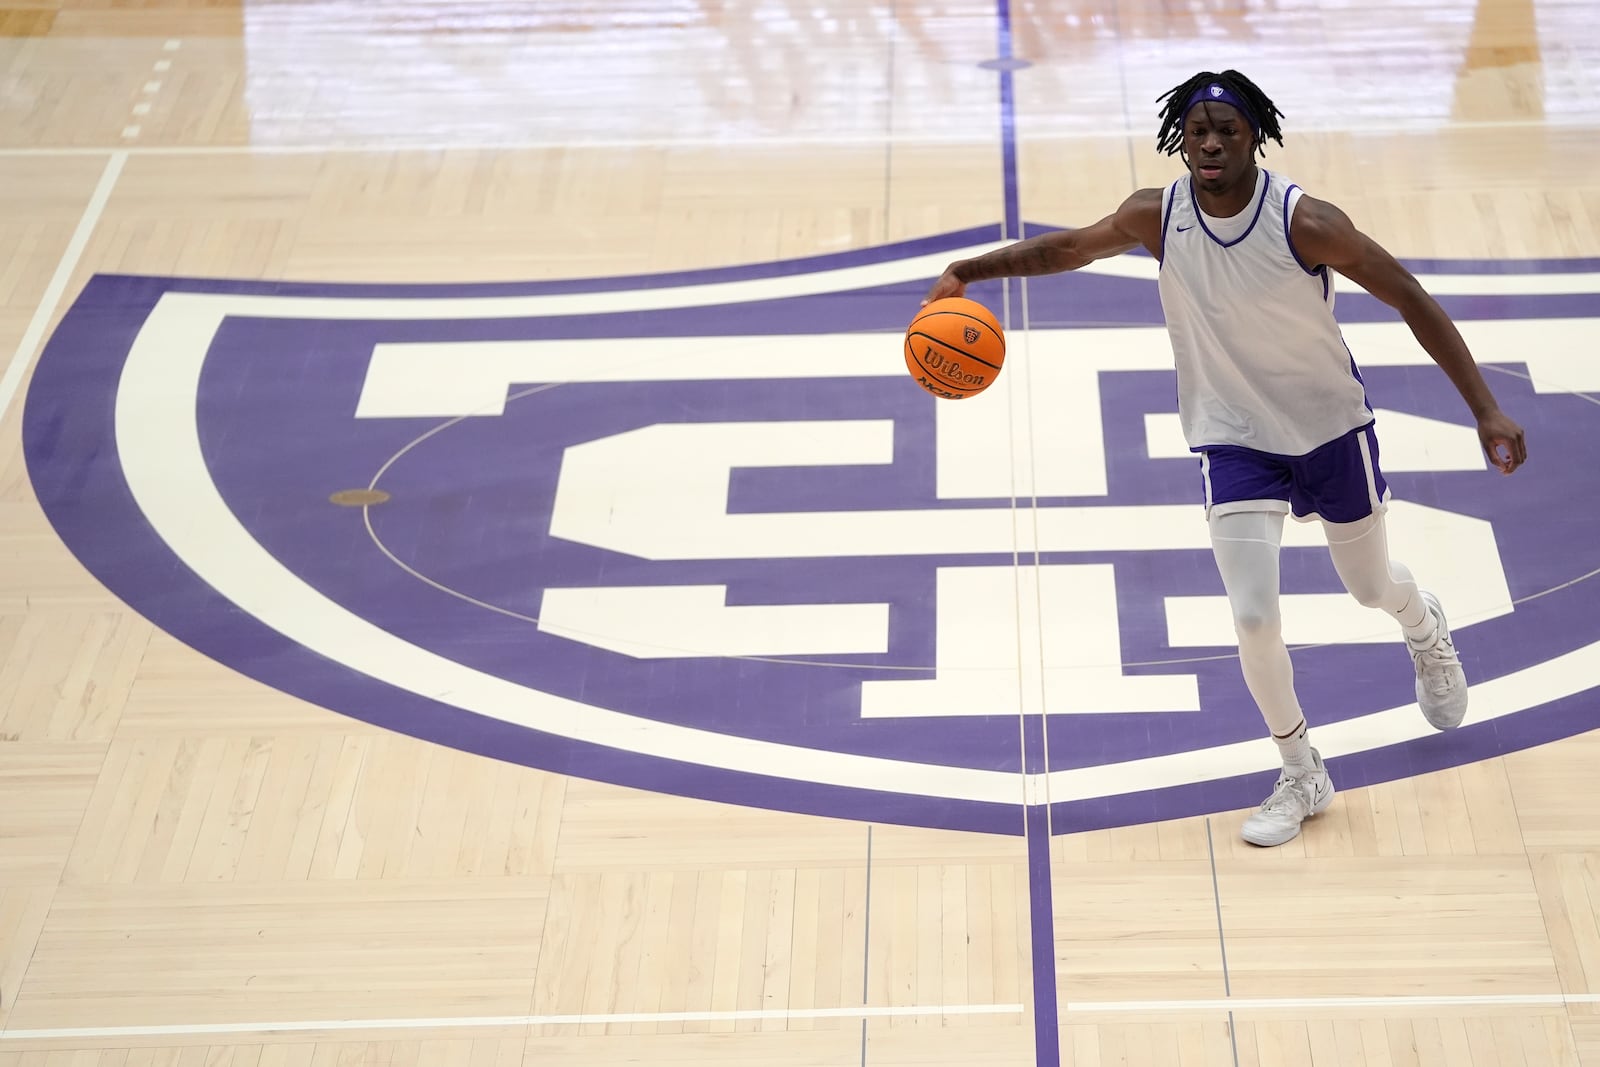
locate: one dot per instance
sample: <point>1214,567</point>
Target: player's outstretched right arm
<point>1137,222</point>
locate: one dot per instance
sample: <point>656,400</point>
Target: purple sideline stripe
<point>1046,1029</point>
<point>1008,129</point>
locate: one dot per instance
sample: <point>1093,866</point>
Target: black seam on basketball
<point>996,334</point>
<point>961,314</point>
<point>952,348</point>
<point>918,359</point>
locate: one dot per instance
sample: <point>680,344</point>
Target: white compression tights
<point>1246,546</point>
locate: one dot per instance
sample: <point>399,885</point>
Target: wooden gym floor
<point>197,867</point>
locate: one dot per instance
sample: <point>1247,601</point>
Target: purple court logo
<point>703,534</point>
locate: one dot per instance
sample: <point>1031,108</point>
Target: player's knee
<point>1256,624</point>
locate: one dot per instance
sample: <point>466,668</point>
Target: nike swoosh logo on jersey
<point>1182,228</point>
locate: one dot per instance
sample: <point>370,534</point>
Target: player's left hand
<point>1502,441</point>
<point>947,285</point>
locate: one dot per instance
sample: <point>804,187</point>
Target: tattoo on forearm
<point>1017,260</point>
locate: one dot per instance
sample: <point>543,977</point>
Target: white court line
<point>1222,1004</point>
<point>1225,1004</point>
<point>12,379</point>
<point>476,1022</point>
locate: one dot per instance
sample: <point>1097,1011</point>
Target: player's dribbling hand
<point>947,285</point>
<point>1502,441</point>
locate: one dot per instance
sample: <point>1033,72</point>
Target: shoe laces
<point>1436,663</point>
<point>1289,798</point>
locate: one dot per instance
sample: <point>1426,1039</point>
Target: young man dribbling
<point>1270,397</point>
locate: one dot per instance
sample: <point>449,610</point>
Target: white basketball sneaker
<point>1293,801</point>
<point>1441,683</point>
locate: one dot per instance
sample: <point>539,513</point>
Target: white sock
<point>1420,635</point>
<point>1296,749</point>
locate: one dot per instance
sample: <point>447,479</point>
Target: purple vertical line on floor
<point>866,946</point>
<point>1042,938</point>
<point>1041,924</point>
<point>1008,126</point>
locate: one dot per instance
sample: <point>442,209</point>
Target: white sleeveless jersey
<point>1260,359</point>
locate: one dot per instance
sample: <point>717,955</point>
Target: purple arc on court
<point>701,534</point>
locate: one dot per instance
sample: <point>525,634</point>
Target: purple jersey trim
<point>1289,238</point>
<point>1248,230</point>
<point>1355,370</point>
<point>1166,219</point>
<point>1321,269</point>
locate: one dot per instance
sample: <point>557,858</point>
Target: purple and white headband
<point>1220,94</point>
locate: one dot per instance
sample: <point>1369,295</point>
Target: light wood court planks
<point>198,869</point>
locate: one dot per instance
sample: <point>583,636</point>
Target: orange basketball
<point>955,348</point>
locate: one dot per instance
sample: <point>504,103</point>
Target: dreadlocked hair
<point>1263,112</point>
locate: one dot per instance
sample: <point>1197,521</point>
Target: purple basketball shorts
<point>1337,482</point>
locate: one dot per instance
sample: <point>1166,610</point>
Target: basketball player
<point>1270,397</point>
